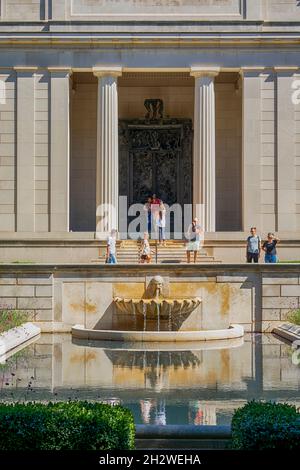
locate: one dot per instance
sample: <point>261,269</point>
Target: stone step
<point>160,252</point>
<point>100,261</point>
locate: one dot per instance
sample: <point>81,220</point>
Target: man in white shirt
<point>111,257</point>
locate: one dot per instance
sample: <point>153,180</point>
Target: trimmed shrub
<point>65,426</point>
<point>266,425</point>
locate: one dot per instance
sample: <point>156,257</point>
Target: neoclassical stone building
<point>196,100</point>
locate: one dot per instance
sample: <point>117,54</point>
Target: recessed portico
<point>209,98</point>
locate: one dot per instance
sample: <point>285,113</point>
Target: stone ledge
<point>14,337</point>
<point>288,331</point>
<point>234,331</point>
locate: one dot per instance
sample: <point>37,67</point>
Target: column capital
<point>199,72</point>
<point>109,70</point>
<point>62,70</point>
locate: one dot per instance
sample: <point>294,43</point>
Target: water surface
<point>190,383</point>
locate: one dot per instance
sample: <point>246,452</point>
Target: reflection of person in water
<point>146,407</point>
<point>160,415</point>
<point>150,407</point>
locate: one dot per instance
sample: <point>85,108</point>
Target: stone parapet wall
<point>280,295</point>
<point>258,297</point>
<point>31,292</point>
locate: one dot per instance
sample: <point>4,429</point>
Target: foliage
<point>294,316</point>
<point>73,425</point>
<point>266,425</point>
<point>11,318</point>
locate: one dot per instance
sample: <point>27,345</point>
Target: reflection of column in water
<point>145,316</point>
<point>170,318</point>
<point>160,415</point>
<point>144,367</point>
<point>134,315</point>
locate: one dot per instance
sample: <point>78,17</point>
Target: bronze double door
<point>156,158</point>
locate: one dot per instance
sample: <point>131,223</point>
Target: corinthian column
<point>204,173</point>
<point>107,178</point>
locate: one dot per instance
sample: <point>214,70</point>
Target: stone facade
<point>58,148</point>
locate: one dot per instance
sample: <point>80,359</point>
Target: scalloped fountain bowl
<point>150,307</point>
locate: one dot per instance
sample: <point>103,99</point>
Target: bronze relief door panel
<point>156,158</point>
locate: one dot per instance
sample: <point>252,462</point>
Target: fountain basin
<point>149,307</point>
<point>234,331</point>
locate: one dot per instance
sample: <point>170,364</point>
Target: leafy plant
<point>11,318</point>
<point>65,426</point>
<point>294,316</point>
<point>266,425</point>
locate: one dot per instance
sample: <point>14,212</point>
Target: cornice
<point>147,39</point>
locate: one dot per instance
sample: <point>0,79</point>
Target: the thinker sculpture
<point>155,108</point>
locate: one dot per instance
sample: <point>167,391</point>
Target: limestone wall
<point>117,10</point>
<point>27,123</point>
<point>7,150</point>
<point>29,292</point>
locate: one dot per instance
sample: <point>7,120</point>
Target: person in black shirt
<point>269,247</point>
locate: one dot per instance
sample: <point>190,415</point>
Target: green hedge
<point>65,426</point>
<point>266,425</point>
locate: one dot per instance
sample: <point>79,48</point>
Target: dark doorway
<point>156,157</point>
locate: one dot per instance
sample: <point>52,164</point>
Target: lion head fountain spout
<point>156,307</point>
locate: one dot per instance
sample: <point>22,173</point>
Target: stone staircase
<point>173,252</point>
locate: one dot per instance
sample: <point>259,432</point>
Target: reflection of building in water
<point>154,366</point>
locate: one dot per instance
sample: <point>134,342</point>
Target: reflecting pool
<point>162,383</point>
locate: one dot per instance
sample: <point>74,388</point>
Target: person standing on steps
<point>270,248</point>
<point>148,212</point>
<point>155,202</point>
<point>145,249</point>
<point>111,253</point>
<point>161,224</point>
<point>194,234</point>
<point>253,248</point>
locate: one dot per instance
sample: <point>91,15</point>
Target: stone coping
<point>14,337</point>
<point>288,331</point>
<point>30,237</point>
<point>185,431</point>
<point>229,268</point>
<point>234,331</point>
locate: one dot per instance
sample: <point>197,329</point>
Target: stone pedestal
<point>107,181</point>
<point>204,179</point>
